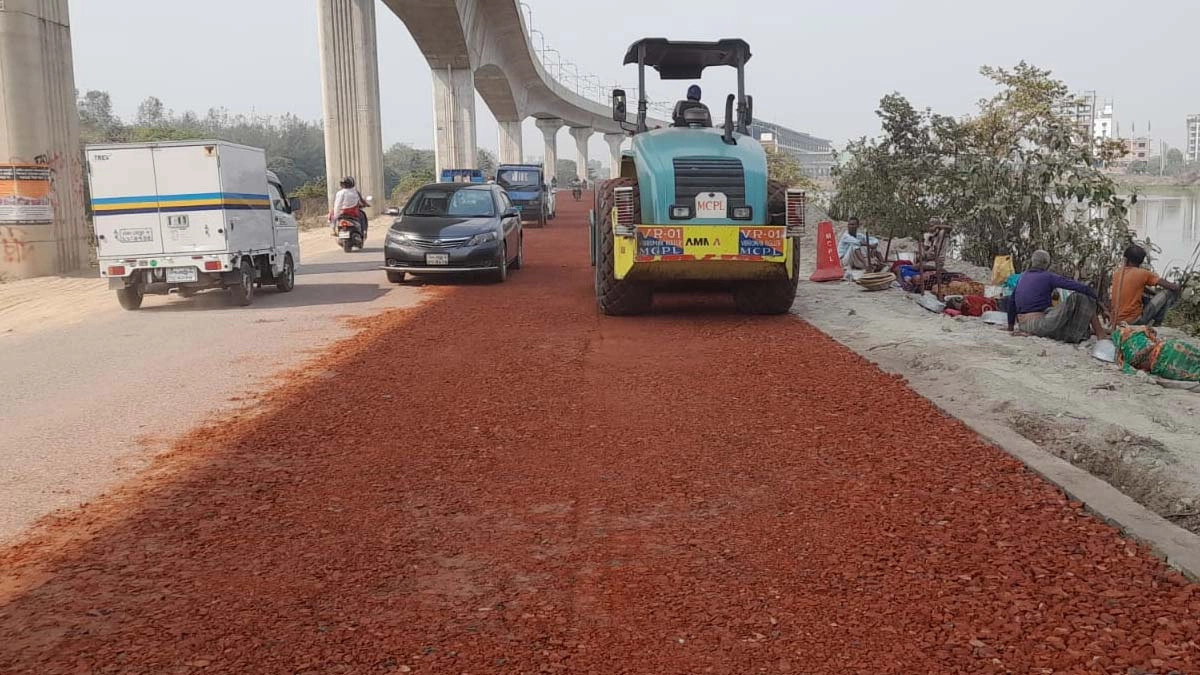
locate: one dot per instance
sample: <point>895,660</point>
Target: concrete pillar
<point>581,135</point>
<point>512,149</point>
<point>614,149</point>
<point>40,159</point>
<point>454,119</point>
<point>550,127</point>
<point>350,91</point>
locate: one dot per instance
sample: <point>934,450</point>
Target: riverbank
<point>1125,429</point>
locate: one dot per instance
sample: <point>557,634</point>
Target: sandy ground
<point>92,393</point>
<point>1141,437</point>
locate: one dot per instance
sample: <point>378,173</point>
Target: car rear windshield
<point>451,203</point>
<point>521,180</point>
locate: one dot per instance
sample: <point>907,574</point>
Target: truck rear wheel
<point>617,297</point>
<point>131,296</point>
<point>774,296</point>
<point>243,294</point>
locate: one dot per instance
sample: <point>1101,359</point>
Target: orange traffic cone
<point>829,266</point>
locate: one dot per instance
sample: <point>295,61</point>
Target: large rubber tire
<point>395,277</point>
<point>777,202</point>
<point>775,296</point>
<point>243,294</point>
<point>131,297</point>
<point>501,275</point>
<point>617,297</point>
<point>285,281</point>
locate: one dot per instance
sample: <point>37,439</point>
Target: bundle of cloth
<point>928,281</point>
<point>1140,348</point>
<point>971,305</point>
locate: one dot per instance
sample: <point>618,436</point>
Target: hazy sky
<point>819,67</point>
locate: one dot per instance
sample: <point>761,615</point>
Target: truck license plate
<point>437,258</point>
<point>710,205</point>
<point>176,275</point>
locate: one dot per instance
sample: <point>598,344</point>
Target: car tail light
<point>623,203</point>
<point>116,271</point>
<point>797,202</point>
<point>212,265</point>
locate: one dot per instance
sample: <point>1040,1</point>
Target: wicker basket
<point>876,281</point>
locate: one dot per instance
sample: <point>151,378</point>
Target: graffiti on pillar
<point>14,249</point>
<point>26,193</point>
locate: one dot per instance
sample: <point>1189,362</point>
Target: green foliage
<point>486,162</point>
<point>295,147</point>
<point>1014,178</point>
<point>784,168</point>
<point>410,183</point>
<point>565,171</point>
<point>313,189</point>
<point>402,159</point>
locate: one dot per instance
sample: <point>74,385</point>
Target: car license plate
<point>177,275</point>
<point>344,234</point>
<point>437,258</point>
<point>711,205</point>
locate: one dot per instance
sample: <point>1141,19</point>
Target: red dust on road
<point>505,482</point>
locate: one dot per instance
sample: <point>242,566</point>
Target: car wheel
<point>286,280</point>
<point>519,261</point>
<point>395,277</point>
<point>501,273</point>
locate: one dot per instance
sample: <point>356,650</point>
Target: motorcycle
<point>350,231</point>
<point>577,192</point>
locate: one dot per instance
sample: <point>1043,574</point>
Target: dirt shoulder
<point>1140,437</point>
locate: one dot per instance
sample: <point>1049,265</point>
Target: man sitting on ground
<point>1129,285</point>
<point>851,249</point>
<point>1030,312</point>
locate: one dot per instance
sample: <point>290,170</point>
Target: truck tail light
<point>116,271</point>
<point>623,204</point>
<point>212,265</point>
<point>797,202</point>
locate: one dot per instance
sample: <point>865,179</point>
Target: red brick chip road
<point>503,481</point>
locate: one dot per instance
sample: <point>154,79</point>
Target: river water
<point>1170,216</point>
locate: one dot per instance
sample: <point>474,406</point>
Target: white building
<point>1193,139</point>
<point>1103,127</point>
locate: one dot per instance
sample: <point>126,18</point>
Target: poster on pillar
<point>25,194</point>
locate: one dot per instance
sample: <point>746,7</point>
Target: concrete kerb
<point>1176,546</point>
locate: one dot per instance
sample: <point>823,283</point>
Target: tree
<point>97,122</point>
<point>1174,157</point>
<point>1016,177</point>
<point>151,113</point>
<point>784,168</point>
<point>410,183</point>
<point>565,171</point>
<point>486,162</point>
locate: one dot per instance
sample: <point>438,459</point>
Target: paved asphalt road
<point>87,402</point>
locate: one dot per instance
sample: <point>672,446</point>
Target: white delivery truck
<point>187,216</point>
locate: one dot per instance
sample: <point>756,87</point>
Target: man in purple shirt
<point>1030,311</point>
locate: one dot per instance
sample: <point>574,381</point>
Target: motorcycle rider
<point>349,202</point>
<point>576,189</point>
